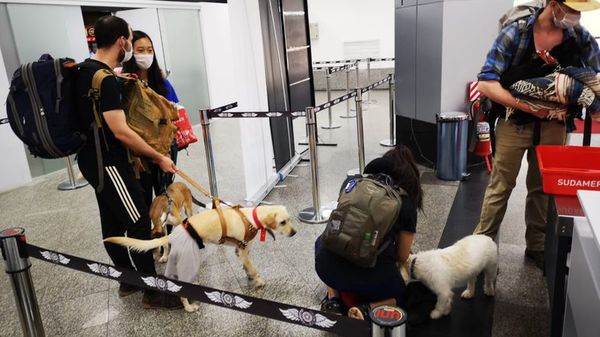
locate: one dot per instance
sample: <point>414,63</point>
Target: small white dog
<point>441,270</point>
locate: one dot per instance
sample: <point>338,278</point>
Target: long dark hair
<point>406,174</point>
<point>156,80</point>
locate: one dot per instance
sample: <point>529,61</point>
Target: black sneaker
<point>537,256</point>
<point>154,300</point>
<point>127,289</point>
<point>332,306</point>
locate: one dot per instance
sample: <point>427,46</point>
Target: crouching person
<point>361,272</point>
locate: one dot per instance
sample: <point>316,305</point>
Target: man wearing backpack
<point>104,159</point>
<point>529,47</point>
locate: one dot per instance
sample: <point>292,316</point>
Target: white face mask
<point>568,21</point>
<point>127,54</point>
<point>144,61</point>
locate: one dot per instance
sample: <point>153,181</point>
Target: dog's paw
<point>489,291</point>
<point>467,294</point>
<point>163,259</point>
<point>258,282</point>
<point>435,314</point>
<point>192,307</point>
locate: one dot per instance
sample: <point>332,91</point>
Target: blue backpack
<point>41,107</point>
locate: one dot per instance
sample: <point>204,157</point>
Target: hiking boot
<point>153,300</point>
<point>360,312</point>
<point>537,256</point>
<point>331,305</point>
<point>127,289</point>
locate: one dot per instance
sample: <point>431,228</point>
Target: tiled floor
<point>76,304</point>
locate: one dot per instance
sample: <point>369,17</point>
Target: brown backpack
<point>149,114</point>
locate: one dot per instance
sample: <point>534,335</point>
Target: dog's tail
<point>198,202</point>
<point>138,245</point>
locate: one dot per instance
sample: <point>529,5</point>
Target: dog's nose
<point>292,233</point>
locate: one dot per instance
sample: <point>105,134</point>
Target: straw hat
<point>582,5</point>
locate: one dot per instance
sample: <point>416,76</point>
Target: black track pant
<point>123,211</point>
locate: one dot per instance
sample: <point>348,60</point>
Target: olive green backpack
<point>367,209</point>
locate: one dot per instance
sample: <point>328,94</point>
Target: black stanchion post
<point>391,142</point>
<point>315,214</point>
<point>348,115</point>
<point>328,83</point>
<point>210,159</point>
<point>72,183</point>
<point>14,252</point>
<point>388,321</point>
<point>359,134</point>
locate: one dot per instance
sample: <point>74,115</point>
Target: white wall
<point>466,44</point>
<point>342,21</point>
<point>235,64</point>
<point>14,170</point>
<point>218,53</point>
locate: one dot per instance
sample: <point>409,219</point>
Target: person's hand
<point>166,164</point>
<point>541,114</point>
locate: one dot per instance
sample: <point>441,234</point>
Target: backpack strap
<point>94,95</point>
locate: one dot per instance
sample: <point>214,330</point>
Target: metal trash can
<point>452,137</point>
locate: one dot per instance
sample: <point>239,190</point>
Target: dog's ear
<point>270,220</point>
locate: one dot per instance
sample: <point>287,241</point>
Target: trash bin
<point>452,136</point>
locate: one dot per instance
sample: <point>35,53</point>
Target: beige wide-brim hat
<point>582,5</point>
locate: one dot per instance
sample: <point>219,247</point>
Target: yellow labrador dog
<point>242,226</point>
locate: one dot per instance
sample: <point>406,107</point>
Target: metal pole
<point>72,183</point>
<point>315,214</point>
<point>210,159</point>
<point>357,71</point>
<point>348,115</point>
<point>14,252</point>
<point>368,79</point>
<point>360,135</point>
<point>391,142</point>
<point>328,80</point>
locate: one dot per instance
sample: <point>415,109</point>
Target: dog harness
<point>192,232</point>
<point>250,230</point>
<point>169,207</point>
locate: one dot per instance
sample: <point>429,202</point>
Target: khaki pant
<point>512,141</point>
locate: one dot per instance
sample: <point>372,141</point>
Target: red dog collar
<point>263,231</point>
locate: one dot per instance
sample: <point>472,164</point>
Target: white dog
<point>441,270</point>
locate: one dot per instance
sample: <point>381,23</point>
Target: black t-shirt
<point>110,100</point>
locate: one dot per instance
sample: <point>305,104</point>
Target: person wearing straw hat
<point>528,47</point>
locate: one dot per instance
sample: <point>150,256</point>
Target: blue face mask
<point>568,21</point>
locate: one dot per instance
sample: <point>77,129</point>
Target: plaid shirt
<point>512,42</point>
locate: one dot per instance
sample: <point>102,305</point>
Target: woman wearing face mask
<point>145,66</point>
<point>528,48</point>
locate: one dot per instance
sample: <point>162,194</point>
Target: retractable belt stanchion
<point>369,101</point>
<point>315,214</point>
<point>357,74</point>
<point>210,159</point>
<point>391,142</point>
<point>14,252</point>
<point>328,83</point>
<point>360,134</point>
<point>73,183</point>
<point>348,115</point>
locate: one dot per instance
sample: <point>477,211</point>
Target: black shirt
<point>110,100</point>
